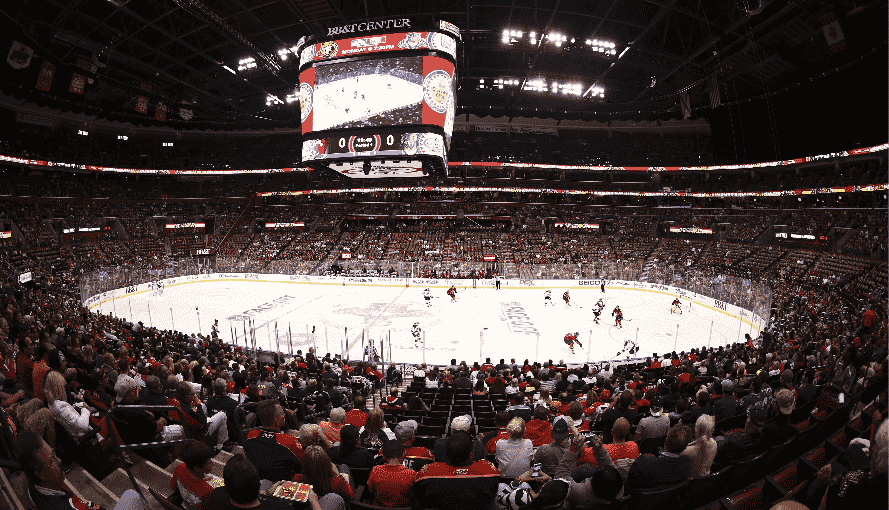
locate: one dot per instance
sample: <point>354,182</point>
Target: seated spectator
<point>392,483</point>
<point>458,424</point>
<point>549,455</point>
<point>653,426</point>
<point>350,452</point>
<point>357,416</point>
<point>277,456</point>
<point>518,409</point>
<point>514,454</point>
<point>460,483</point>
<point>375,432</point>
<point>605,484</point>
<point>241,490</point>
<point>501,420</point>
<point>745,443</point>
<point>666,470</point>
<point>235,418</point>
<point>415,456</point>
<point>619,449</point>
<point>393,375</point>
<point>46,479</point>
<point>332,427</point>
<point>623,409</point>
<point>153,392</point>
<point>322,475</point>
<point>393,401</point>
<point>539,429</point>
<point>192,477</point>
<point>195,417</point>
<point>310,435</point>
<point>415,403</point>
<point>779,429</point>
<point>575,411</point>
<point>137,425</point>
<point>76,418</point>
<point>702,450</point>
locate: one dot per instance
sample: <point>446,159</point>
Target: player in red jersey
<point>676,306</point>
<point>453,293</point>
<point>571,339</point>
<point>566,298</point>
<point>618,316</point>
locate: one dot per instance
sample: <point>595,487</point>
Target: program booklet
<point>295,491</point>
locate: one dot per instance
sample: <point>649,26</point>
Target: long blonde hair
<point>54,387</point>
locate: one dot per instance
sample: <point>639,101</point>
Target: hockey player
<point>566,298</point>
<point>427,295</point>
<point>571,338</point>
<point>548,298</point>
<point>618,316</point>
<point>676,306</point>
<point>596,313</point>
<point>453,293</point>
<point>416,333</point>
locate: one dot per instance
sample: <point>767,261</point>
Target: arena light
<point>123,137</point>
<point>229,69</point>
<point>246,63</point>
<point>272,99</point>
<point>291,98</point>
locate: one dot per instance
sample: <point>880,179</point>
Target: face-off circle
<point>437,90</point>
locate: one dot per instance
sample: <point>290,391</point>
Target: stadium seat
<point>666,498</point>
<point>750,498</point>
<point>703,489</point>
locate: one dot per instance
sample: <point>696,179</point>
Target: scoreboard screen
<point>380,95</point>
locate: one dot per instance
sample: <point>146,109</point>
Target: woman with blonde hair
<point>322,475</point>
<point>514,454</point>
<point>702,450</point>
<point>76,418</point>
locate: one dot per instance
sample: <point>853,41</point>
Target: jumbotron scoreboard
<point>377,99</point>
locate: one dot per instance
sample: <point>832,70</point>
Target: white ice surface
<point>352,99</point>
<point>452,330</point>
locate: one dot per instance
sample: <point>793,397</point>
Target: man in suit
<point>666,470</point>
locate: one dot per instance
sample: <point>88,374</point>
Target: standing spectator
<point>514,454</point>
<point>392,483</point>
<point>702,450</point>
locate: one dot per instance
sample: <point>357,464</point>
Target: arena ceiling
<point>184,54</point>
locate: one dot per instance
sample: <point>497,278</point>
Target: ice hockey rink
<point>343,102</point>
<point>482,322</point>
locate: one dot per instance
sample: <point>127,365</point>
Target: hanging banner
<point>44,79</point>
<point>160,113</point>
<point>78,82</point>
<point>142,104</point>
<point>186,114</point>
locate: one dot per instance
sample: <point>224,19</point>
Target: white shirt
<point>76,420</point>
<point>514,457</point>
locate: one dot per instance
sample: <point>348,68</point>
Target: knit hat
<point>461,423</point>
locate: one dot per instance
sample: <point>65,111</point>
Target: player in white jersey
<point>427,295</point>
<point>548,298</point>
<point>415,331</point>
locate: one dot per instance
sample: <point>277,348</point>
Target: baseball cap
<point>124,384</point>
<point>461,423</point>
<point>657,406</point>
<point>785,401</point>
<point>758,415</point>
<point>561,430</point>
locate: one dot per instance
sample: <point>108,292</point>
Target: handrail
<point>124,447</point>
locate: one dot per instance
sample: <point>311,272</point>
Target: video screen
<point>379,92</point>
<point>369,93</point>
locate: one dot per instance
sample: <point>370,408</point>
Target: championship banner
<point>142,104</point>
<point>160,112</point>
<point>186,114</point>
<point>78,82</point>
<point>44,79</point>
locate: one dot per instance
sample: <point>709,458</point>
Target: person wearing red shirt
<point>25,364</point>
<point>620,448</point>
<point>392,483</point>
<point>655,364</point>
<point>683,378</point>
<point>321,474</point>
<point>40,369</point>
<point>460,483</point>
<point>357,416</point>
<point>538,429</point>
<point>192,478</point>
<point>487,366</point>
